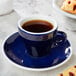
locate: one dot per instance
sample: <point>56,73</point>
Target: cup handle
<point>59,39</point>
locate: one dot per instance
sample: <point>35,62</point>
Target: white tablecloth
<point>8,25</point>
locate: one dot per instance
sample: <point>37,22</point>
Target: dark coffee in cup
<point>38,33</point>
<point>40,36</point>
<point>37,26</point>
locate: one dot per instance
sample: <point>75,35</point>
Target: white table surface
<point>8,25</point>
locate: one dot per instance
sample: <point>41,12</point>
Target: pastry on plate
<point>69,6</point>
<point>69,72</point>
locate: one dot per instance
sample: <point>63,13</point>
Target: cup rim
<point>37,17</point>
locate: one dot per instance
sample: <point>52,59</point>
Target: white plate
<point>57,5</point>
<point>6,7</point>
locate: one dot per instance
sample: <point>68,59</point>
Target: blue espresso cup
<point>39,44</point>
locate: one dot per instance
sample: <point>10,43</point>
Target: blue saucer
<point>15,50</point>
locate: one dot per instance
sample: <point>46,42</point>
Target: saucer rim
<point>28,68</point>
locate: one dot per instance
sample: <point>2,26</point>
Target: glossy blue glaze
<point>42,48</point>
<point>16,51</point>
